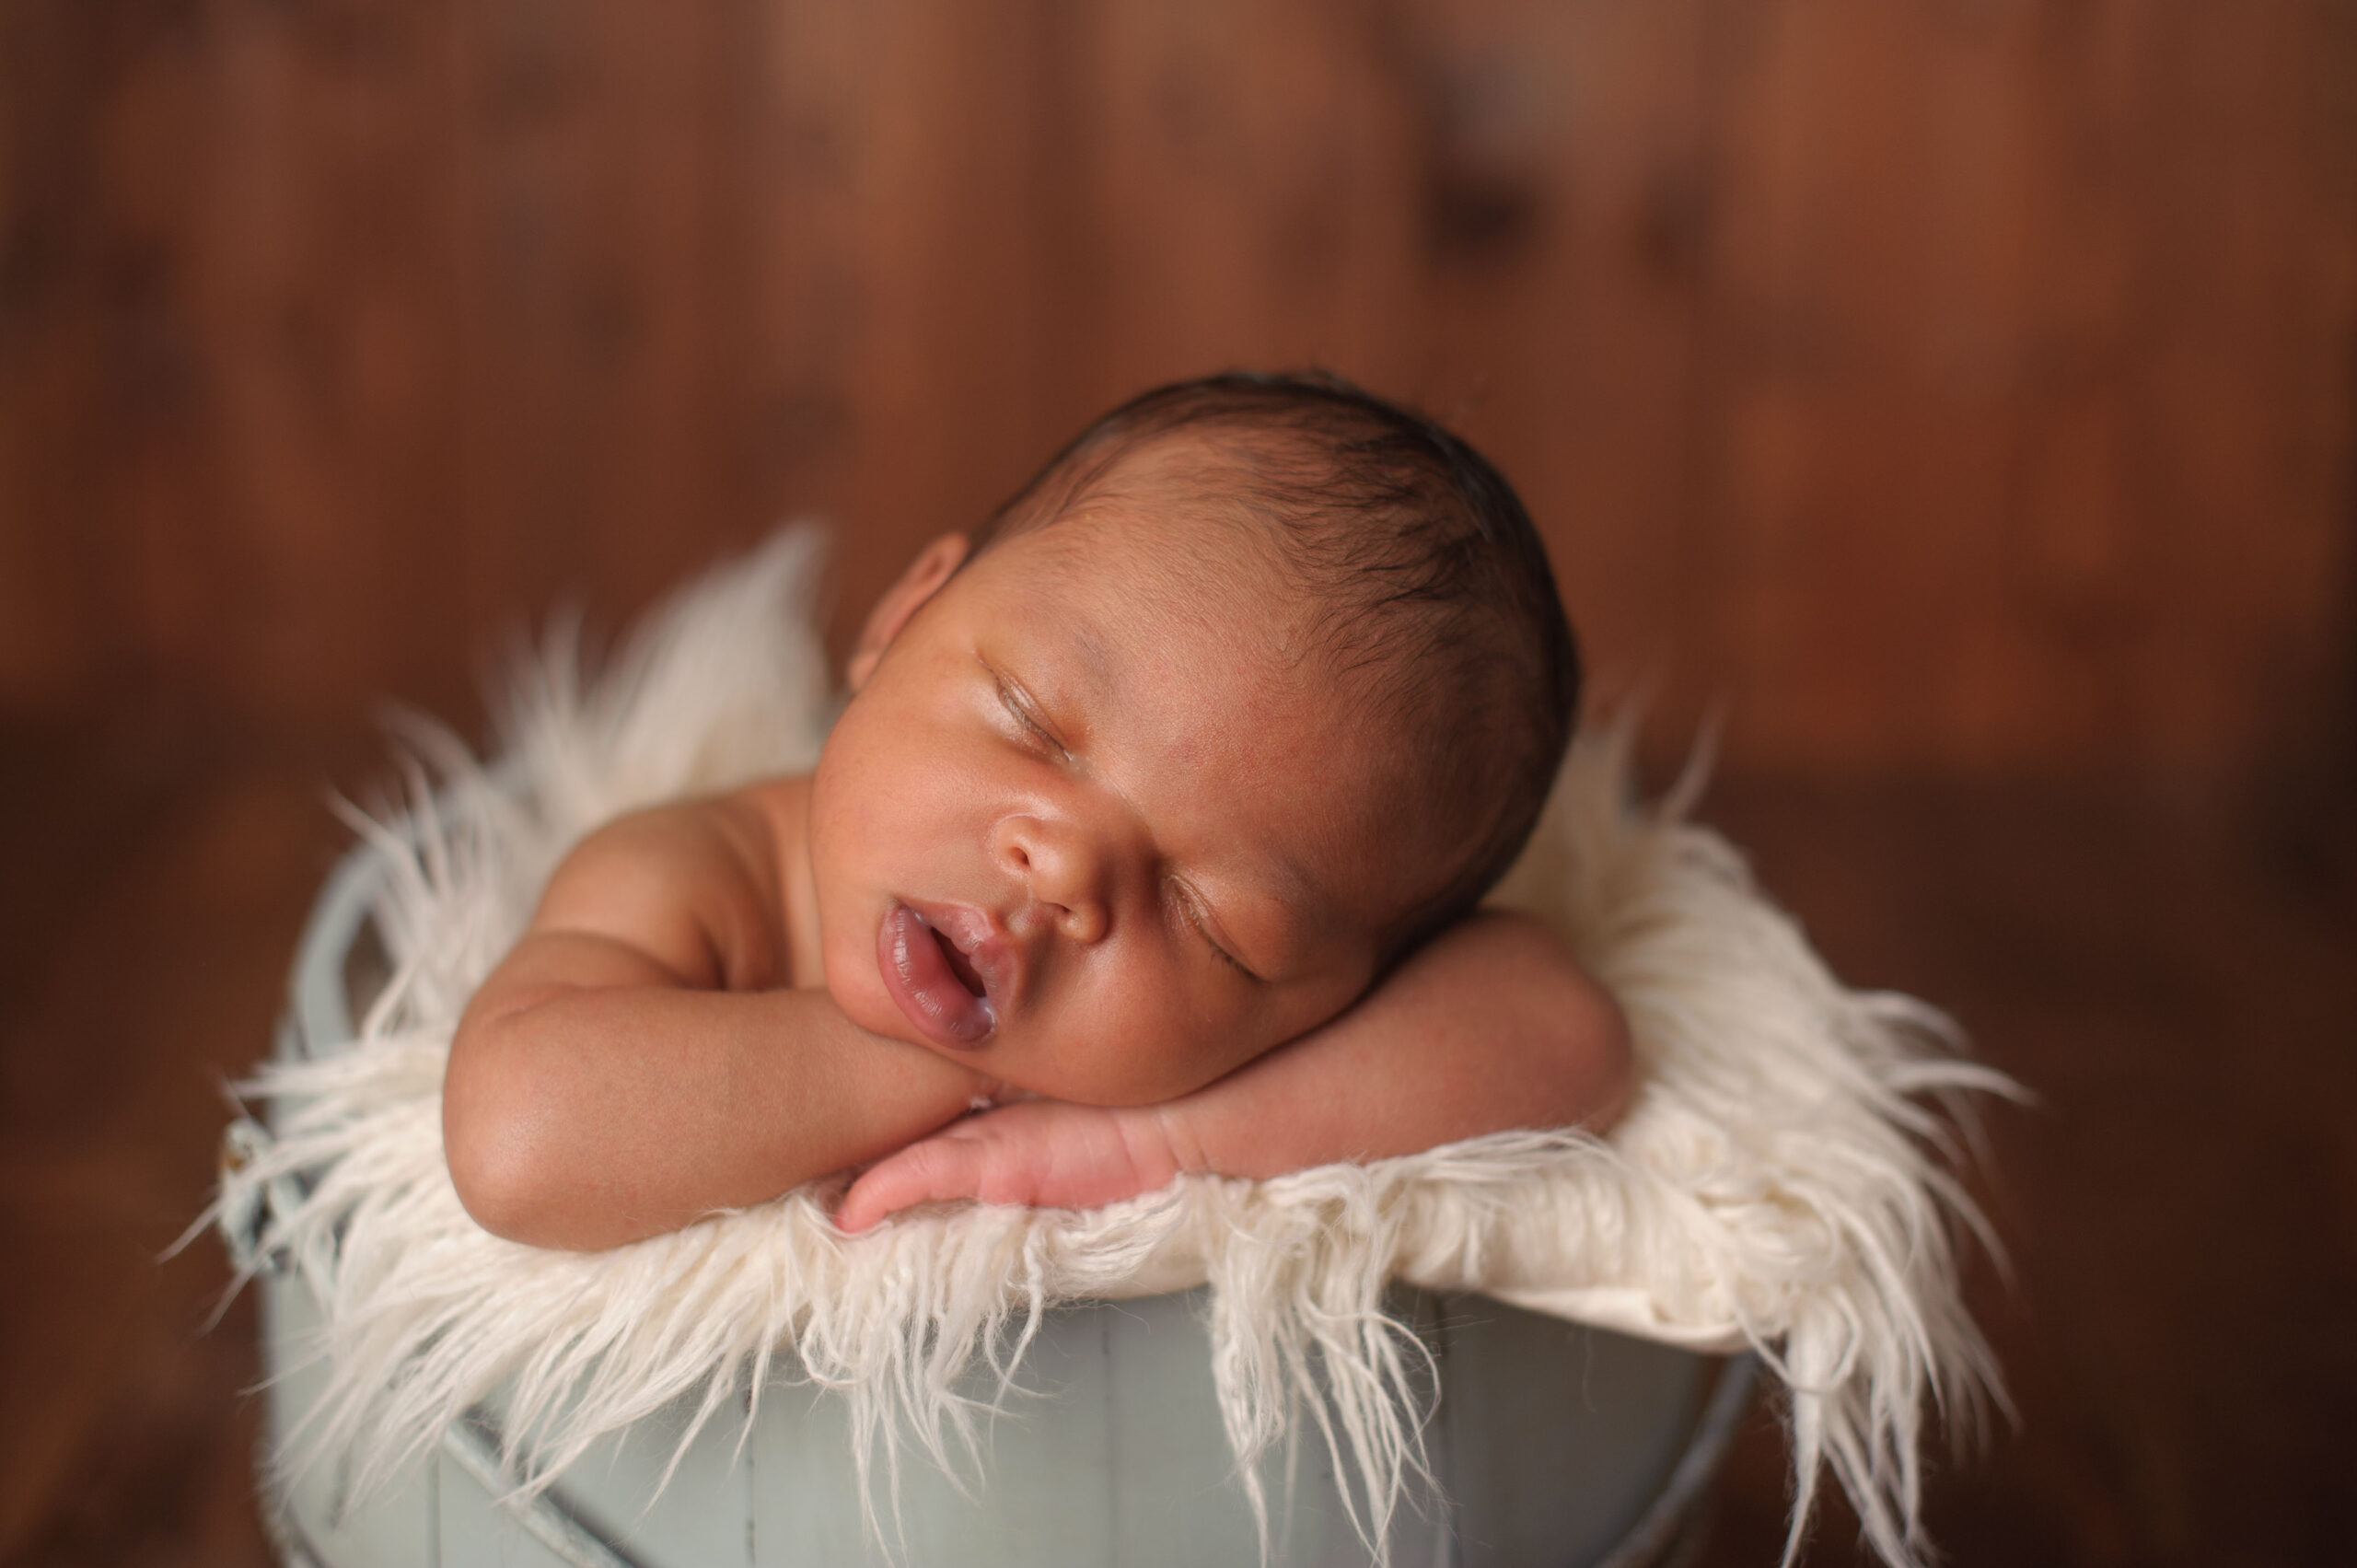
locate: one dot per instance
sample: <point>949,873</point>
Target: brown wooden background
<point>1947,384</point>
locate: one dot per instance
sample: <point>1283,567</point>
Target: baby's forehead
<point>1186,484</point>
<point>1139,554</point>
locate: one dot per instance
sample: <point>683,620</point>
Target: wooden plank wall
<point>1946,384</point>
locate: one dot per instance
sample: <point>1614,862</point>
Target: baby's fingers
<point>935,1169</point>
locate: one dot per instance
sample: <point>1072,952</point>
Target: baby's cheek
<point>1144,1049</point>
<point>1164,1064</point>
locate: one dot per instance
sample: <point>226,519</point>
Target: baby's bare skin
<point>1158,859</point>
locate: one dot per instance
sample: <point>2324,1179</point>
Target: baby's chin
<point>1090,1078</point>
<point>1020,1060</point>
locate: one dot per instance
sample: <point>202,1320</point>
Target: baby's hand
<point>1048,1154</point>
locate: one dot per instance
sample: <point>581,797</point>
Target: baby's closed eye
<point>1023,709</point>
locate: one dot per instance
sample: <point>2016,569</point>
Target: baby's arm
<point>1491,1026</point>
<point>635,1062</point>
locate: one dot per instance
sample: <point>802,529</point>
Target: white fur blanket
<point>1783,1181</point>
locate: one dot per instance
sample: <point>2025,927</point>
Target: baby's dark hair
<point>1432,578</point>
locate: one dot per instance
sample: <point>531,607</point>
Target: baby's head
<point>1257,683</point>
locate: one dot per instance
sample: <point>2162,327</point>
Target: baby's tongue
<point>930,990</point>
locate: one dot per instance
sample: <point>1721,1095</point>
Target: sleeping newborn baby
<point>1150,840</point>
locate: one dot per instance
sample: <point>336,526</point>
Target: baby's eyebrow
<point>1294,888</point>
<point>1094,655</point>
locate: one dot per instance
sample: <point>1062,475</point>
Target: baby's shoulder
<point>704,874</point>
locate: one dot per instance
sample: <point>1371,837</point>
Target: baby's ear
<point>933,565</point>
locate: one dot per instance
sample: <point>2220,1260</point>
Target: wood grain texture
<point>1956,384</point>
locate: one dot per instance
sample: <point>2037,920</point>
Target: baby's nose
<point>1061,868</point>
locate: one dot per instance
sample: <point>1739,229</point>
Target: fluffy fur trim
<point>1783,1181</point>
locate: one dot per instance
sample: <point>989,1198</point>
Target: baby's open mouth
<point>935,984</point>
<point>961,966</point>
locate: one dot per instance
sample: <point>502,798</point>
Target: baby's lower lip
<point>923,986</point>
